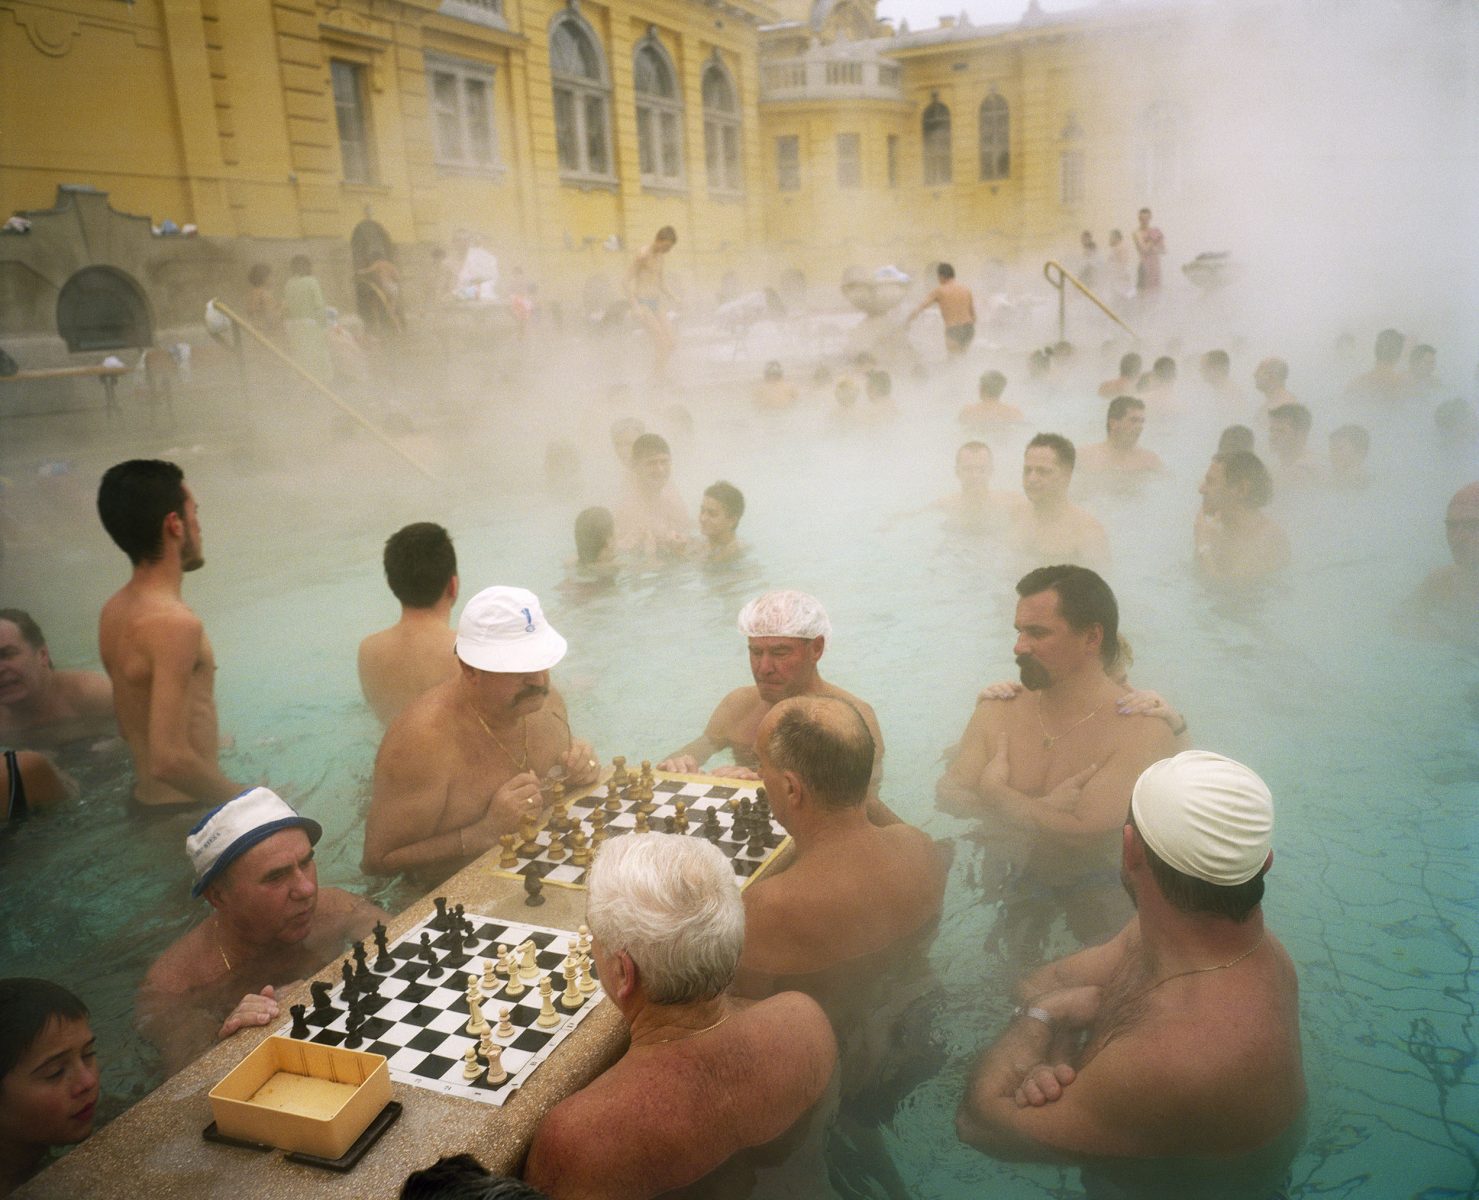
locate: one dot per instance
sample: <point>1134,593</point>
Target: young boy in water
<point>48,1075</point>
<point>718,518</point>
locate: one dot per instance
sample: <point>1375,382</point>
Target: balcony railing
<point>830,77</point>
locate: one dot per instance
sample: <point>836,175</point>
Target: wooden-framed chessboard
<point>732,814</point>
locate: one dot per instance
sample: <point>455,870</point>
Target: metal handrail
<point>297,368</point>
<point>1065,275</point>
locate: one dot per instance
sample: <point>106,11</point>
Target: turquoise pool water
<point>1365,731</point>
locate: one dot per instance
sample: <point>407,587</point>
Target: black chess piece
<point>756,848</point>
<point>440,920</point>
<point>346,972</point>
<point>669,825</point>
<point>533,887</point>
<point>454,950</point>
<point>712,829</point>
<point>361,965</point>
<point>300,1024</point>
<point>429,956</point>
<point>760,796</point>
<point>383,959</point>
<point>356,1019</point>
<point>320,994</point>
<point>744,808</point>
<point>464,926</point>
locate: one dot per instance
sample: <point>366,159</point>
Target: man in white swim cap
<point>1179,1038</point>
<point>787,633</point>
<point>464,762</point>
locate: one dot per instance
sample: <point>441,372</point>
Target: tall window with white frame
<point>582,94</point>
<point>721,129</point>
<point>659,114</point>
<point>788,163</point>
<point>461,97</point>
<point>1071,164</point>
<point>935,128</point>
<point>849,160</point>
<point>996,138</point>
<point>356,150</point>
<point>1157,138</point>
<point>891,151</point>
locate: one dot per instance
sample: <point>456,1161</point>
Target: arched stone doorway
<point>103,308</point>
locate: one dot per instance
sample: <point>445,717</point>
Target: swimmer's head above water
<point>787,634</point>
<point>1067,619</point>
<point>148,511</point>
<point>506,648</point>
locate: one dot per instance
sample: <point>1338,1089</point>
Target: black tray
<point>345,1162</point>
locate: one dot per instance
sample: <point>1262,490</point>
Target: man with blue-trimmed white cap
<point>464,762</point>
<point>270,926</point>
<point>1179,1038</point>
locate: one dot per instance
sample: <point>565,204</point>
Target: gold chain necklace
<point>221,948</point>
<point>1049,739</point>
<point>524,723</point>
<point>687,1035</point>
<point>1232,962</point>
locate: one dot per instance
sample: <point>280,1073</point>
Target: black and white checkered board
<point>417,1018</point>
<point>698,792</point>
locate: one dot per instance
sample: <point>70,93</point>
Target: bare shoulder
<point>1147,734</point>
<point>89,692</point>
<point>178,969</point>
<point>795,1019</point>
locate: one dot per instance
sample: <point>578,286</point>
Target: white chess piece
<point>496,1072</point>
<point>471,1068</point>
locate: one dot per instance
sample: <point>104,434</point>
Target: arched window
<point>582,98</point>
<point>1158,151</point>
<point>721,129</point>
<point>936,130</point>
<point>996,138</point>
<point>659,113</point>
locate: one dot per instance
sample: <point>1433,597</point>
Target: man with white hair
<point>1180,1037</point>
<point>465,761</point>
<point>713,1092</point>
<point>270,925</point>
<point>787,633</point>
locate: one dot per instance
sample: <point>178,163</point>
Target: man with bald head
<point>465,762</point>
<point>787,633</point>
<point>1179,1039</point>
<point>270,925</point>
<point>1447,603</point>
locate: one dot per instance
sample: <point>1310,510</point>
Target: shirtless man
<point>1288,440</point>
<point>1052,767</point>
<point>1177,1040</point>
<point>652,521</point>
<point>1121,453</point>
<point>153,647</point>
<point>713,1094</point>
<point>1216,372</point>
<point>1235,541</point>
<point>1048,527</point>
<point>646,290</point>
<point>852,888</point>
<point>1269,380</point>
<point>40,705</point>
<point>989,409</point>
<point>1447,603</point>
<point>465,761</point>
<point>271,926</point>
<point>397,664</point>
<point>718,520</point>
<point>787,633</point>
<point>1125,381</point>
<point>1386,380</point>
<point>957,309</point>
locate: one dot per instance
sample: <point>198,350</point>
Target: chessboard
<point>410,1001</point>
<point>731,814</point>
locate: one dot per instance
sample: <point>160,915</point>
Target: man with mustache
<point>270,926</point>
<point>1051,770</point>
<point>464,762</point>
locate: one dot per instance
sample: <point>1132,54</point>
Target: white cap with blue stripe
<point>228,831</point>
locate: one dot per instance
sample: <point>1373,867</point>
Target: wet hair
<point>1235,437</point>
<point>29,630</point>
<point>826,742</point>
<point>648,445</point>
<point>259,274</point>
<point>462,1177</point>
<point>669,902</point>
<point>944,271</point>
<point>593,529</point>
<point>1217,360</point>
<point>1353,435</point>
<point>730,498</point>
<point>880,383</point>
<point>134,498</point>
<point>1039,361</point>
<point>301,264</point>
<point>1389,344</point>
<point>1120,405</point>
<point>1130,365</point>
<point>1164,368</point>
<point>27,1006</point>
<point>667,234</point>
<point>993,384</point>
<point>1188,894</point>
<point>974,446</point>
<point>774,370</point>
<point>419,563</point>
<point>1084,599</point>
<point>1297,415</point>
<point>1422,350</point>
<point>1243,466</point>
<point>1115,236</point>
<point>1061,447</point>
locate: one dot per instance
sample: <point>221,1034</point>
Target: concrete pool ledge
<point>155,1149</point>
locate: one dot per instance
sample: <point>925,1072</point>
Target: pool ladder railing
<point>1060,277</point>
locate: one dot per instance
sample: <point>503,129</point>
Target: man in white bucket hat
<point>464,762</point>
<point>270,925</point>
<point>1178,1038</point>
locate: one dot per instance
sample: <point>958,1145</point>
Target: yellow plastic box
<point>300,1096</point>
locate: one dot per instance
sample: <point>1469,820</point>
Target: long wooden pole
<point>293,365</point>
